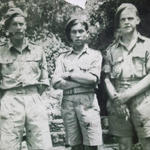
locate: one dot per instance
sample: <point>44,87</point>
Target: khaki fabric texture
<point>21,109</point>
<point>81,115</point>
<point>22,69</point>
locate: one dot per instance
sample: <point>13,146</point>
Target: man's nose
<point>126,20</point>
<point>77,34</point>
<point>18,26</point>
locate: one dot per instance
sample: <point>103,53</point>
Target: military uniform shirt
<point>128,63</point>
<point>24,68</point>
<point>88,60</point>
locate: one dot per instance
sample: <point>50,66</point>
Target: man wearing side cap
<point>127,69</point>
<point>24,77</point>
<point>77,74</point>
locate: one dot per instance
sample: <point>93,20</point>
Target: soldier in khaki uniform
<point>24,77</point>
<point>127,68</point>
<point>77,74</point>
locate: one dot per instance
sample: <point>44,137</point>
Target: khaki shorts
<point>22,108</point>
<point>139,121</point>
<point>81,117</point>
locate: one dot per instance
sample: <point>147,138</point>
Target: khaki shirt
<point>88,60</point>
<point>122,63</point>
<point>24,68</point>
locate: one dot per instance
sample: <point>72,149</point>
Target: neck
<point>17,43</point>
<point>78,49</point>
<point>127,38</point>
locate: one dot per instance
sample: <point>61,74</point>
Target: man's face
<point>128,21</point>
<point>78,34</point>
<point>17,27</point>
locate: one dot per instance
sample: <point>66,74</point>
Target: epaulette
<point>64,52</point>
<point>32,42</point>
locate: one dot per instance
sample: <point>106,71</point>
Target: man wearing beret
<point>24,77</point>
<point>127,69</point>
<point>77,74</point>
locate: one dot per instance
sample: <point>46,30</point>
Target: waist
<point>22,90</point>
<point>78,90</point>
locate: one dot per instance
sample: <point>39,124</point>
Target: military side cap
<point>11,13</point>
<point>122,7</point>
<point>14,11</point>
<point>126,6</point>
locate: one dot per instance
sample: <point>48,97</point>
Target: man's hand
<point>65,75</point>
<point>121,98</point>
<point>122,110</point>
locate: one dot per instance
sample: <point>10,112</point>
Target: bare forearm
<point>84,78</point>
<point>65,84</point>
<point>140,87</point>
<point>110,88</point>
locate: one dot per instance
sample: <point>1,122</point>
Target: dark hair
<point>9,20</point>
<point>72,23</point>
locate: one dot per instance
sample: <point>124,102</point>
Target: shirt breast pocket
<point>139,63</point>
<point>85,67</point>
<point>33,64</point>
<point>8,67</point>
<point>117,68</point>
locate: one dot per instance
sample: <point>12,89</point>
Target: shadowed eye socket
<point>81,31</point>
<point>77,31</point>
<point>130,18</point>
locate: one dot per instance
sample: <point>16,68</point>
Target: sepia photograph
<point>74,75</point>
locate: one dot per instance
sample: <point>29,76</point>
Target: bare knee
<point>125,143</point>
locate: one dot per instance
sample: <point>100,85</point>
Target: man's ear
<point>138,20</point>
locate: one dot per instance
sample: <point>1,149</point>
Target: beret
<point>79,17</point>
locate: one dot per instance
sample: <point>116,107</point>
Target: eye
<point>122,19</point>
<point>81,31</point>
<point>21,24</point>
<point>130,18</point>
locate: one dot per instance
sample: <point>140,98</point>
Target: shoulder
<point>4,47</point>
<point>110,49</point>
<point>94,52</point>
<point>34,45</point>
<point>35,48</point>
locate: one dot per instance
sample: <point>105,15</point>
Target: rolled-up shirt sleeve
<point>58,71</point>
<point>96,66</point>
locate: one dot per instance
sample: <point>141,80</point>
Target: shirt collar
<point>139,38</point>
<point>26,45</point>
<point>84,50</point>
